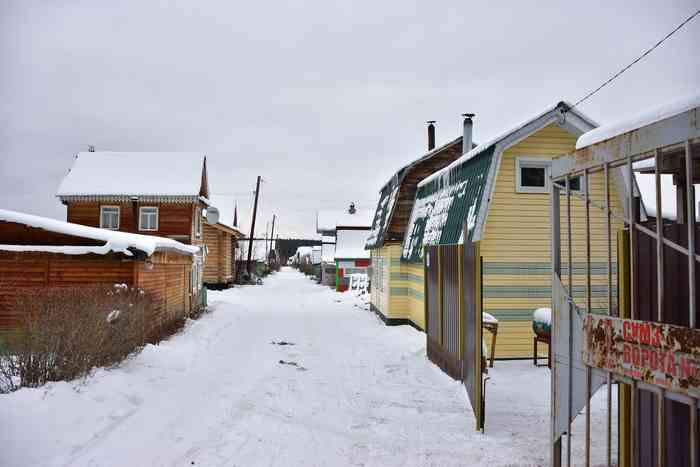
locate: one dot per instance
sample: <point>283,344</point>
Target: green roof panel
<point>445,202</point>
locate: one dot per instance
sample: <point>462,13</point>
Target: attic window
<point>532,175</point>
<point>109,217</point>
<point>198,223</point>
<point>148,218</point>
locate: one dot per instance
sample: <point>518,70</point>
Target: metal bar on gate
<point>570,292</point>
<point>690,210</point>
<point>633,314</point>
<point>659,241</point>
<point>690,202</point>
<point>660,398</point>
<point>693,436</point>
<point>608,239</point>
<point>588,310</point>
<point>555,454</point>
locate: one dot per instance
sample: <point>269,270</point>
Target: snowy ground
<point>217,395</point>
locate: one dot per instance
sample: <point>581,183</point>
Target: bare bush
<point>66,332</point>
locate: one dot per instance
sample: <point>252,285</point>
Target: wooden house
<point>164,194</point>
<point>37,252</point>
<point>495,198</point>
<point>397,285</point>
<point>221,242</point>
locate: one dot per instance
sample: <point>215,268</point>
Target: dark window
<point>575,184</point>
<point>533,176</point>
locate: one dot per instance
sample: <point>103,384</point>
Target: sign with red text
<point>663,355</point>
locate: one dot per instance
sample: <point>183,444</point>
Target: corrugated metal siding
<point>450,300</point>
<point>445,203</point>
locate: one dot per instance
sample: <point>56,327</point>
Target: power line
<point>647,52</point>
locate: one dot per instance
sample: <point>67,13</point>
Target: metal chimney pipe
<point>431,135</point>
<point>467,135</point>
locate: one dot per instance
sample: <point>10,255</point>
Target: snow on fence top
<point>350,244</point>
<point>115,241</point>
<point>134,173</point>
<point>640,120</point>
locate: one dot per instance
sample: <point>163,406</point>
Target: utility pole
<point>272,235</point>
<point>252,225</point>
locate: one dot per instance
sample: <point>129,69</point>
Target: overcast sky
<point>324,99</point>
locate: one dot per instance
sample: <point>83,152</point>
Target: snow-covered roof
<point>640,120</point>
<point>329,220</point>
<point>115,241</point>
<point>350,244</point>
<point>134,173</point>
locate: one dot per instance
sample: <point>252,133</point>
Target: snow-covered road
<point>217,395</point>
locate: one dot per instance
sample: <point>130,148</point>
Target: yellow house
<point>498,196</point>
<point>397,285</point>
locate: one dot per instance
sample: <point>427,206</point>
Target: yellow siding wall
<point>397,286</point>
<point>516,246</point>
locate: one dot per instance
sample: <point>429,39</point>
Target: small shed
<point>38,252</point>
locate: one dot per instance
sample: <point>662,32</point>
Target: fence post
<point>624,393</point>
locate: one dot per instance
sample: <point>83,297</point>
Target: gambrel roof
<point>397,195</point>
<point>126,174</point>
<point>457,197</point>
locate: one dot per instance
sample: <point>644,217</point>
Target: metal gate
<point>473,361</point>
<point>647,342</point>
<point>453,318</point>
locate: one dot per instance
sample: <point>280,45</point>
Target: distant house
<point>328,260</point>
<point>397,293</point>
<point>37,252</point>
<point>221,240</point>
<point>350,225</point>
<point>151,193</point>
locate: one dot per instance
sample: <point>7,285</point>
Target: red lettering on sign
<point>644,333</point>
<point>654,361</point>
<point>627,331</point>
<point>627,353</point>
<point>635,356</point>
<point>645,357</point>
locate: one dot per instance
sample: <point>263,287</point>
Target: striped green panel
<point>406,276</point>
<point>527,269</point>
<point>406,292</point>
<point>537,291</point>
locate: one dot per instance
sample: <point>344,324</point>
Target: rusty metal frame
<point>665,138</point>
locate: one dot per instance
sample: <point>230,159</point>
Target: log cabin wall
<point>218,269</point>
<point>175,220</point>
<point>167,280</point>
<point>22,273</point>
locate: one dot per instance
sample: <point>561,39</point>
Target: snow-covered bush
<point>67,331</point>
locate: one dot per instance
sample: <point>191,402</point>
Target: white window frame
<point>536,162</point>
<point>119,214</point>
<point>157,216</point>
<point>198,223</point>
